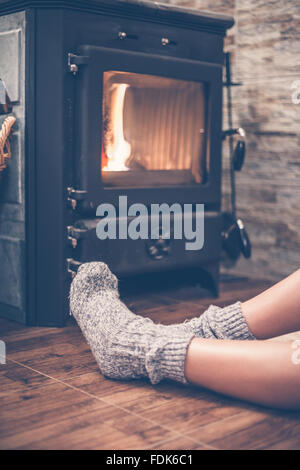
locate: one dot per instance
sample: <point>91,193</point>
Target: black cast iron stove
<point>120,98</point>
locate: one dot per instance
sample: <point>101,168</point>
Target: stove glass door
<point>154,131</point>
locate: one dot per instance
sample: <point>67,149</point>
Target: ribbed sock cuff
<point>166,358</point>
<point>234,323</point>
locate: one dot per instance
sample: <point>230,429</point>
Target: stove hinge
<point>74,196</point>
<point>72,267</point>
<point>75,234</point>
<point>75,61</point>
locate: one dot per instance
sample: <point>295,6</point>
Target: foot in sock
<point>126,345</point>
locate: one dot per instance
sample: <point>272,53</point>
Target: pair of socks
<point>129,346</point>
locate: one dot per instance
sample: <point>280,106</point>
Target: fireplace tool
<point>235,239</point>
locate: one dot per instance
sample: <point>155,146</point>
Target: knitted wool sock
<point>124,345</point>
<point>219,323</point>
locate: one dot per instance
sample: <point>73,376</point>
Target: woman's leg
<point>275,311</point>
<point>129,346</point>
<point>258,371</point>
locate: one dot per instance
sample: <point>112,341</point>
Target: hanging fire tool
<point>235,239</point>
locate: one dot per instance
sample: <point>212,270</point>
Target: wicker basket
<point>4,141</point>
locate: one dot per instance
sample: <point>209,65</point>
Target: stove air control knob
<point>158,249</point>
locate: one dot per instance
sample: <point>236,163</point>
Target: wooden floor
<point>52,395</point>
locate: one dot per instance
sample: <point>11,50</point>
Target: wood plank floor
<point>52,395</point>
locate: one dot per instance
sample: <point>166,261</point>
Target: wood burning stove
<point>122,98</point>
<point>148,126</point>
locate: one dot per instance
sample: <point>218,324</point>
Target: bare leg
<point>258,371</point>
<point>275,311</point>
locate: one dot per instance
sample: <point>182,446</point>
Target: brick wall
<point>265,43</point>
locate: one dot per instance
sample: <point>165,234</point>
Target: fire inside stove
<point>154,131</point>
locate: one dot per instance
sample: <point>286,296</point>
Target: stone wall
<point>265,45</point>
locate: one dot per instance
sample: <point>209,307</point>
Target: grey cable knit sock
<point>219,323</point>
<point>125,345</point>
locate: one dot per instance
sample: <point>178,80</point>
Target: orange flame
<point>118,149</point>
